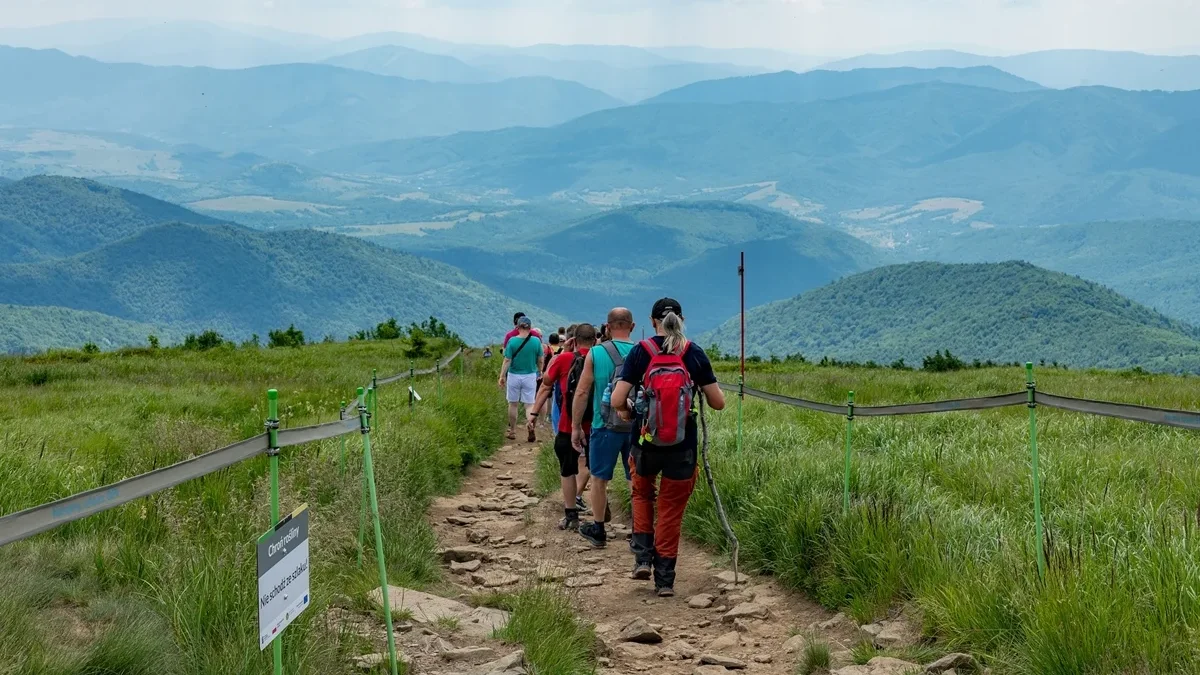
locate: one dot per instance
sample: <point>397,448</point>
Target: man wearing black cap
<point>652,366</point>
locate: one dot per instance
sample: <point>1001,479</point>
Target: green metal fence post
<point>849,435</point>
<point>412,376</point>
<point>362,512</point>
<point>273,453</point>
<point>369,473</point>
<point>342,459</point>
<point>1031,387</point>
<point>374,403</point>
<point>462,357</point>
<point>439,383</point>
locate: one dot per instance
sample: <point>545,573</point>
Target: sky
<point>834,27</point>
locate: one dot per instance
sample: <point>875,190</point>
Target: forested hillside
<point>1001,311</point>
<point>47,217</point>
<point>239,282</point>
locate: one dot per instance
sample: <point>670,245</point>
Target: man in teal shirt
<point>518,375</point>
<point>611,436</point>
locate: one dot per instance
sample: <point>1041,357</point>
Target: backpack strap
<point>614,354</point>
<point>651,347</point>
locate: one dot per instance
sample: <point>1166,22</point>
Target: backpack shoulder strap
<point>650,347</point>
<point>613,353</point>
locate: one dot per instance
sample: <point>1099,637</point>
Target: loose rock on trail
<point>497,535</point>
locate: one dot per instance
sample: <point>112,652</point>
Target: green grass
<point>942,517</point>
<point>816,658</point>
<point>555,641</point>
<point>166,584</point>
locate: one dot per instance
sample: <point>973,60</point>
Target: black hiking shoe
<point>570,521</point>
<point>595,534</point>
<point>581,505</point>
<point>665,591</point>
<point>641,571</point>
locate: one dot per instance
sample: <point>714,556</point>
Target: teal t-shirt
<point>525,362</point>
<point>602,369</point>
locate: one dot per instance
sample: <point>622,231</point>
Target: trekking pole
<point>712,485</point>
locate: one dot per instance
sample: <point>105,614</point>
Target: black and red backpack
<point>669,390</point>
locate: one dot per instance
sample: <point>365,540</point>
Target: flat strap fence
<point>1030,398</point>
<point>353,417</point>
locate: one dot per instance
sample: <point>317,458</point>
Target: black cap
<point>663,306</point>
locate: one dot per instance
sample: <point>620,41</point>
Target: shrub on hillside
<point>942,362</point>
<point>209,339</point>
<point>286,338</point>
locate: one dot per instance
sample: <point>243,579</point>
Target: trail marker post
<point>369,476</point>
<point>412,377</point>
<point>1031,387</point>
<point>742,368</point>
<point>362,511</point>
<point>375,403</point>
<point>849,436</point>
<point>273,452</point>
<point>438,367</point>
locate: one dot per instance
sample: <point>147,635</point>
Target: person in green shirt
<point>519,374</point>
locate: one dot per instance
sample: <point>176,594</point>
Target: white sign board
<point>414,393</point>
<point>282,575</point>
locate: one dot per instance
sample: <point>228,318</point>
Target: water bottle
<point>639,404</point>
<point>606,398</point>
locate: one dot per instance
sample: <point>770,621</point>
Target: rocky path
<point>497,535</point>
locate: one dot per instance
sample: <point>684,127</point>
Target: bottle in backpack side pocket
<point>612,420</point>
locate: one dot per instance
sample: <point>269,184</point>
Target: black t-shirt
<point>698,367</point>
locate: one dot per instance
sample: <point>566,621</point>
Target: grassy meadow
<point>941,522</point>
<point>166,584</point>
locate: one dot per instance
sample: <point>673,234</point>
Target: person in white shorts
<point>518,375</point>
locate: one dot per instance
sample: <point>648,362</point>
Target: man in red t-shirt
<point>571,463</point>
<point>513,333</point>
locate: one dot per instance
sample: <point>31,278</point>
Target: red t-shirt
<point>559,369</point>
<point>514,333</point>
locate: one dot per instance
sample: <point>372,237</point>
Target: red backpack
<point>668,388</point>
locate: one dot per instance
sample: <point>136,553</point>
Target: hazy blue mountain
<point>688,250</point>
<point>277,110</point>
<point>410,63</point>
<point>1059,68</point>
<point>768,59</point>
<point>1009,311</point>
<point>192,43</point>
<point>1151,261</point>
<point>1021,157</point>
<point>239,281</point>
<point>626,82</point>
<point>54,217</point>
<point>616,55</point>
<point>791,87</point>
<point>391,38</point>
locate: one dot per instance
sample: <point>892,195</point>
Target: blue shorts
<point>604,448</point>
<point>554,414</point>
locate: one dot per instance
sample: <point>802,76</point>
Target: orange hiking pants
<point>666,500</point>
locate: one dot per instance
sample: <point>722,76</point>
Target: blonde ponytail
<point>673,338</point>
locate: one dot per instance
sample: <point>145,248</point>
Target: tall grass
<point>167,584</point>
<point>942,514</point>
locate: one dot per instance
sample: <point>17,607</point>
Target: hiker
<point>558,388</point>
<point>519,374</point>
<point>514,332</point>
<point>666,372</point>
<point>611,437</point>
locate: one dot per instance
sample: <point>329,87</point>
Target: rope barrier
<point>37,519</point>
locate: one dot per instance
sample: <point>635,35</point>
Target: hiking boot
<point>664,574</point>
<point>664,591</point>
<point>570,521</point>
<point>579,504</point>
<point>641,571</point>
<point>595,534</point>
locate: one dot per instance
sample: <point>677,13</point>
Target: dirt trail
<point>496,513</point>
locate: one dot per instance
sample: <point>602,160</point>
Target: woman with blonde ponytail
<point>663,375</point>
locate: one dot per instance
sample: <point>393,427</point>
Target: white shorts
<point>522,388</point>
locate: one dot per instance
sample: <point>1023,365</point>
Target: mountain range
<point>283,111</point>
<point>1003,158</point>
<point>177,277</point>
<point>688,250</point>
<point>1006,312</point>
